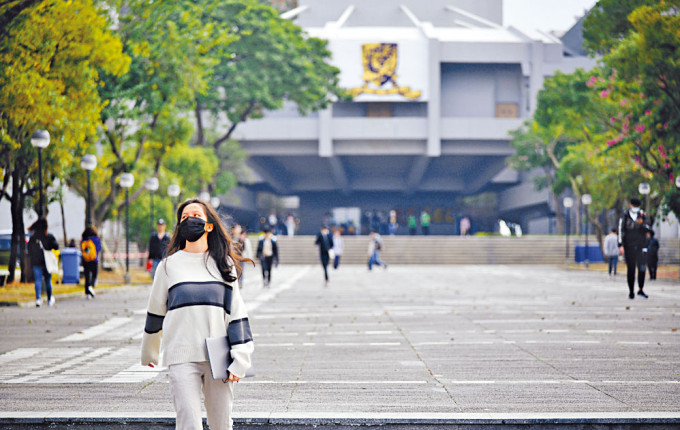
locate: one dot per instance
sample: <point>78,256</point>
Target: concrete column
<point>434,111</point>
<point>536,78</point>
<point>326,132</point>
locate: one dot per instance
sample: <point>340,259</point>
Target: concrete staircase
<point>452,250</point>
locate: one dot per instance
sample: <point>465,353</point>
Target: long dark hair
<point>39,228</point>
<point>219,243</point>
<point>89,231</point>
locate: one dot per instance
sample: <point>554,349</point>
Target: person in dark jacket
<point>268,254</point>
<point>652,255</point>
<point>158,245</point>
<point>324,241</point>
<point>91,247</point>
<point>41,240</point>
<point>632,232</point>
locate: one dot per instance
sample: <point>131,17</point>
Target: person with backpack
<point>652,255</point>
<point>425,222</point>
<point>374,246</point>
<point>41,241</point>
<point>632,234</point>
<point>324,240</point>
<point>268,254</point>
<point>90,247</point>
<point>158,246</point>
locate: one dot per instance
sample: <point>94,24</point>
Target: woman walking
<point>41,241</point>
<point>91,247</point>
<point>194,296</point>
<point>338,247</point>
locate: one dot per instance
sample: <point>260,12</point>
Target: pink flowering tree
<point>645,84</point>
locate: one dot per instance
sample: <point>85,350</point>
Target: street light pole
<point>173,192</point>
<point>644,188</point>
<point>677,185</point>
<point>40,139</point>
<point>126,180</point>
<point>568,202</point>
<point>586,199</point>
<point>151,184</point>
<point>88,162</point>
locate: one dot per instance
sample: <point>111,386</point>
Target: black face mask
<point>191,229</point>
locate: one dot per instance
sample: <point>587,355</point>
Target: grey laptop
<point>219,354</point>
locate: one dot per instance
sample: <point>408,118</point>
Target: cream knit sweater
<point>190,302</point>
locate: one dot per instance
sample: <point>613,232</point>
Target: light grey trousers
<point>187,380</point>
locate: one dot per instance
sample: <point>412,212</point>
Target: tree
<point>185,166</point>
<point>645,83</point>
<point>567,139</point>
<point>607,24</point>
<point>49,76</point>
<point>145,117</point>
<point>270,61</point>
<point>535,150</point>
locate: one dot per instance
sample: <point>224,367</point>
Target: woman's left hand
<point>233,378</point>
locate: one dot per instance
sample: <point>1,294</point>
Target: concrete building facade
<point>437,86</point>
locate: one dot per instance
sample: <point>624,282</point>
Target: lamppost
<point>568,202</point>
<point>88,162</point>
<point>215,202</point>
<point>205,196</point>
<point>173,192</point>
<point>677,184</point>
<point>40,139</point>
<point>126,180</point>
<point>151,184</point>
<point>645,189</point>
<point>586,199</point>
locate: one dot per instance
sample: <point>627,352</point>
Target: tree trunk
<point>200,135</point>
<point>63,218</point>
<point>18,229</point>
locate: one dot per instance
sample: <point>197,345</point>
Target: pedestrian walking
<point>39,244</point>
<point>268,254</point>
<point>412,224</point>
<point>632,235</point>
<point>652,255</point>
<point>425,222</point>
<point>338,247</point>
<point>246,252</point>
<point>158,245</point>
<point>273,221</point>
<point>465,226</point>
<point>193,297</point>
<point>611,250</point>
<point>90,247</point>
<point>290,225</point>
<point>375,245</point>
<point>324,241</point>
<point>394,224</point>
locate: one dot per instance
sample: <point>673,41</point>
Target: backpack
<point>89,250</point>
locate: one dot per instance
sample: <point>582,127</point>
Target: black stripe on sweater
<point>211,293</point>
<point>154,323</point>
<point>239,332</point>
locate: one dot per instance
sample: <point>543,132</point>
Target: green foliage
<point>50,65</point>
<point>607,23</point>
<point>49,79</point>
<point>191,166</point>
<point>173,50</point>
<point>141,223</point>
<point>270,61</point>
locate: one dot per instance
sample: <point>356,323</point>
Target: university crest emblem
<point>380,69</point>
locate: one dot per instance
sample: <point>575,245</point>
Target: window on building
<point>379,110</point>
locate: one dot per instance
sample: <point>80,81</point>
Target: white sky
<point>546,15</point>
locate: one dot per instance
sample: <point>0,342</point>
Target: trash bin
<point>594,253</point>
<point>70,265</point>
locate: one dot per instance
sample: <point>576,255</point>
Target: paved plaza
<point>410,340</point>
